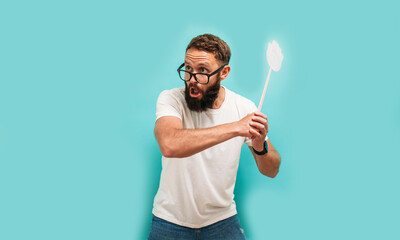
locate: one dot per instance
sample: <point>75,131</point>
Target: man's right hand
<point>243,126</point>
<point>250,126</point>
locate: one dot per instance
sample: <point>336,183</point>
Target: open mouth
<point>194,92</point>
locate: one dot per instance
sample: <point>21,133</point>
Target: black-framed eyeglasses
<point>202,78</point>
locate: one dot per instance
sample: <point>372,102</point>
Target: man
<point>200,130</point>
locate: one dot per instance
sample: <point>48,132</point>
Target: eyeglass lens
<point>201,78</point>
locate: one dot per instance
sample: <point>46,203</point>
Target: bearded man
<point>200,129</point>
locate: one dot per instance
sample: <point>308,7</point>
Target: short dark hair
<point>213,44</point>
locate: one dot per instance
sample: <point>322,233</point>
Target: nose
<point>193,80</point>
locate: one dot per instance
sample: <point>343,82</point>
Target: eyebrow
<point>199,64</point>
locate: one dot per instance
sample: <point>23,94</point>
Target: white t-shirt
<point>197,191</point>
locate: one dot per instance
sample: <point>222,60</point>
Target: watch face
<point>265,146</point>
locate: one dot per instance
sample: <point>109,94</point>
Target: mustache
<point>193,85</point>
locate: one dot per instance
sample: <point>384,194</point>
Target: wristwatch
<point>264,151</point>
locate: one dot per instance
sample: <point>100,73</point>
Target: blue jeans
<point>225,229</point>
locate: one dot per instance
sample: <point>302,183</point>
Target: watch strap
<point>264,151</point>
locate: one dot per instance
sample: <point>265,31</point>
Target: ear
<point>225,71</point>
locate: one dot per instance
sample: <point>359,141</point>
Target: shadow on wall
<point>152,182</point>
<point>242,187</point>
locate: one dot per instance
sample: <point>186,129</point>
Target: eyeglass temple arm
<point>218,70</point>
<point>183,64</point>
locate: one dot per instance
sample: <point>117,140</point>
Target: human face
<point>198,61</point>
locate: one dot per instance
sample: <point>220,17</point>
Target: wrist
<point>235,127</point>
<point>229,130</point>
<point>263,151</point>
<point>258,146</point>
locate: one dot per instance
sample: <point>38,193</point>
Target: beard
<point>208,97</point>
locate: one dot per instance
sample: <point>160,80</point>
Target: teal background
<point>79,82</point>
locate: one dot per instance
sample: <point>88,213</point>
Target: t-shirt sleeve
<point>252,109</point>
<point>168,104</point>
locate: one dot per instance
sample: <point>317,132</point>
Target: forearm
<point>268,164</point>
<point>179,143</point>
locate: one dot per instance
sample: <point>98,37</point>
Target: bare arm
<point>268,164</point>
<point>176,142</point>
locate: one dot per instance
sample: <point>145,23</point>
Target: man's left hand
<point>259,130</point>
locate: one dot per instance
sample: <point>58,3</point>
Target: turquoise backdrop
<point>79,82</point>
